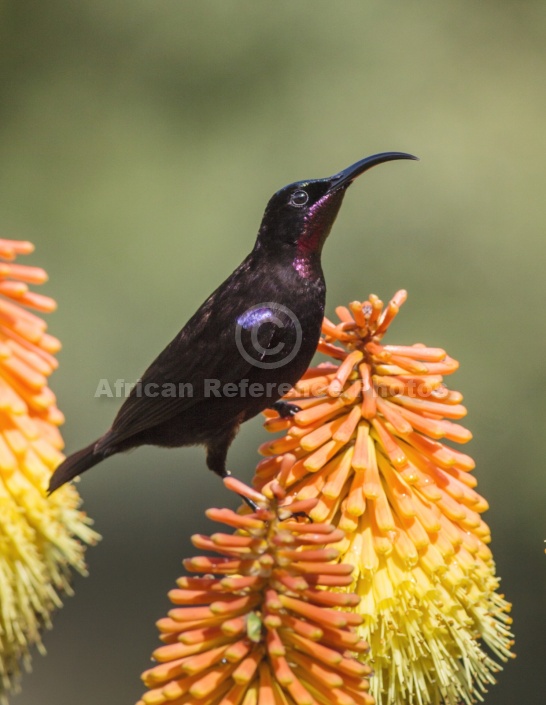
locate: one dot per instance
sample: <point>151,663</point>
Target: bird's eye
<point>299,198</point>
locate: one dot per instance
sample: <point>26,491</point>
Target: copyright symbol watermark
<point>268,335</point>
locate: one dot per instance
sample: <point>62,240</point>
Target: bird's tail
<point>74,465</point>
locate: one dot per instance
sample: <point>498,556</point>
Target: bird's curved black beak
<point>348,175</point>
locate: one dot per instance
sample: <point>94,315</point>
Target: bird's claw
<point>250,503</point>
<point>285,409</point>
<point>296,515</point>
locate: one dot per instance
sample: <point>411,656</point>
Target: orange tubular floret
<point>343,372</point>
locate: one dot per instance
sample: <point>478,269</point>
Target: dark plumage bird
<point>250,341</point>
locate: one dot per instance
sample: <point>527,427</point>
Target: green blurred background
<point>139,143</point>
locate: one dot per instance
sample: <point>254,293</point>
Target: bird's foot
<point>246,494</point>
<point>249,503</point>
<point>297,516</point>
<point>285,409</point>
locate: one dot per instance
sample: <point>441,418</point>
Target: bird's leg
<point>216,461</point>
<point>285,409</point>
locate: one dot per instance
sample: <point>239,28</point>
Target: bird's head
<point>300,215</point>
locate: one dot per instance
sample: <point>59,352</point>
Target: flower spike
<point>371,445</point>
<point>42,540</point>
<point>259,625</point>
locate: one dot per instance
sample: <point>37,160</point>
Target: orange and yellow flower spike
<point>372,446</point>
<point>42,539</point>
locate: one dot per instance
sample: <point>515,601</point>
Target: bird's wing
<point>205,349</point>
